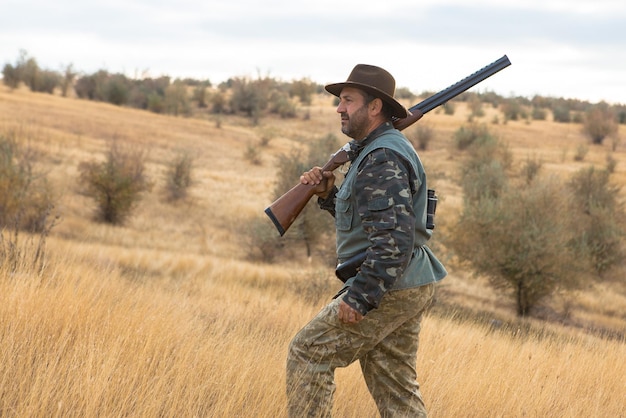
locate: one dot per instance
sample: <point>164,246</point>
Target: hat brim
<point>399,111</point>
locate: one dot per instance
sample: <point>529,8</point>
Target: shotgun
<point>284,211</point>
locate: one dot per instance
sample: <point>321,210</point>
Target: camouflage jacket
<point>384,175</point>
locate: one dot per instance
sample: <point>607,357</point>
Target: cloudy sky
<point>558,48</point>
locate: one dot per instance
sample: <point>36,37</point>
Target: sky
<point>573,49</point>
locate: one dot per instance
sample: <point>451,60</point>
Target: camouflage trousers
<point>385,342</point>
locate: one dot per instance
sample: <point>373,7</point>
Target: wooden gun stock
<point>286,208</point>
<point>284,211</point>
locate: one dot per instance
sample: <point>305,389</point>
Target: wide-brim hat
<point>375,81</point>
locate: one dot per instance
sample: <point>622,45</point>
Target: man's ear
<point>376,106</point>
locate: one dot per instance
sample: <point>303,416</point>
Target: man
<point>380,209</point>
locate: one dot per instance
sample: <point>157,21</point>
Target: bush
<point>581,152</point>
<point>518,235</point>
<point>512,109</point>
<point>539,113</point>
<point>249,96</point>
<point>304,90</point>
<point>264,243</point>
<point>601,217</point>
<point>312,223</point>
<point>467,135</point>
<point>476,107</point>
<point>282,105</point>
<point>117,90</point>
<point>448,108</point>
<point>25,196</point>
<point>176,100</point>
<point>483,173</point>
<point>253,154</point>
<point>27,70</point>
<point>178,176</point>
<point>423,135</point>
<point>531,169</point>
<point>599,123</point>
<point>115,184</point>
<point>561,114</point>
<point>92,87</point>
<point>520,242</point>
<point>10,76</point>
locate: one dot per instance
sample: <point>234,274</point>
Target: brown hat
<point>375,81</point>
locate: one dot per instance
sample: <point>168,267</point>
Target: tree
<point>599,123</point>
<point>10,76</point>
<point>69,75</point>
<point>176,100</point>
<point>518,235</point>
<point>520,241</point>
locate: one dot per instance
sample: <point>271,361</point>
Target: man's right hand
<point>323,181</point>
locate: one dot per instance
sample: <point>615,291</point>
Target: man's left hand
<point>347,315</point>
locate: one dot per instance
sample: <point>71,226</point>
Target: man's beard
<point>355,124</point>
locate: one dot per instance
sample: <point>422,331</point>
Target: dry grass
<point>165,317</point>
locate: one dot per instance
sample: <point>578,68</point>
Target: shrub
<point>282,105</point>
<point>155,103</point>
<point>178,176</point>
<point>304,90</point>
<point>264,243</point>
<point>448,108</point>
<point>116,184</point>
<point>249,97</point>
<point>423,135</point>
<point>581,152</point>
<point>601,217</point>
<point>67,79</point>
<point>46,81</point>
<point>253,154</point>
<point>561,114</point>
<point>539,113</point>
<point>531,169</point>
<point>27,70</point>
<point>468,134</point>
<point>10,76</point>
<point>176,99</point>
<point>599,123</point>
<point>218,103</point>
<point>520,242</point>
<point>483,173</point>
<point>312,223</point>
<point>117,90</point>
<point>476,107</point>
<point>512,109</point>
<point>92,86</point>
<point>25,196</point>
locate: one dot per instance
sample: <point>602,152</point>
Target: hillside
<point>166,315</point>
<point>229,191</point>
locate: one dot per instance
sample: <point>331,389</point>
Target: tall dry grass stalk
<point>81,340</point>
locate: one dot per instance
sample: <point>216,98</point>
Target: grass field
<point>166,316</point>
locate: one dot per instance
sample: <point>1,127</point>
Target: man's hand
<point>323,181</point>
<point>347,315</point>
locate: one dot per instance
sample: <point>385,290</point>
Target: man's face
<point>354,114</point>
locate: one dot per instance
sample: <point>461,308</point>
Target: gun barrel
<point>457,88</point>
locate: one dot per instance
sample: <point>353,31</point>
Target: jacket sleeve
<point>328,204</point>
<point>386,185</point>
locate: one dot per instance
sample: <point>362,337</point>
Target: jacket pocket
<point>343,211</point>
<point>381,213</point>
